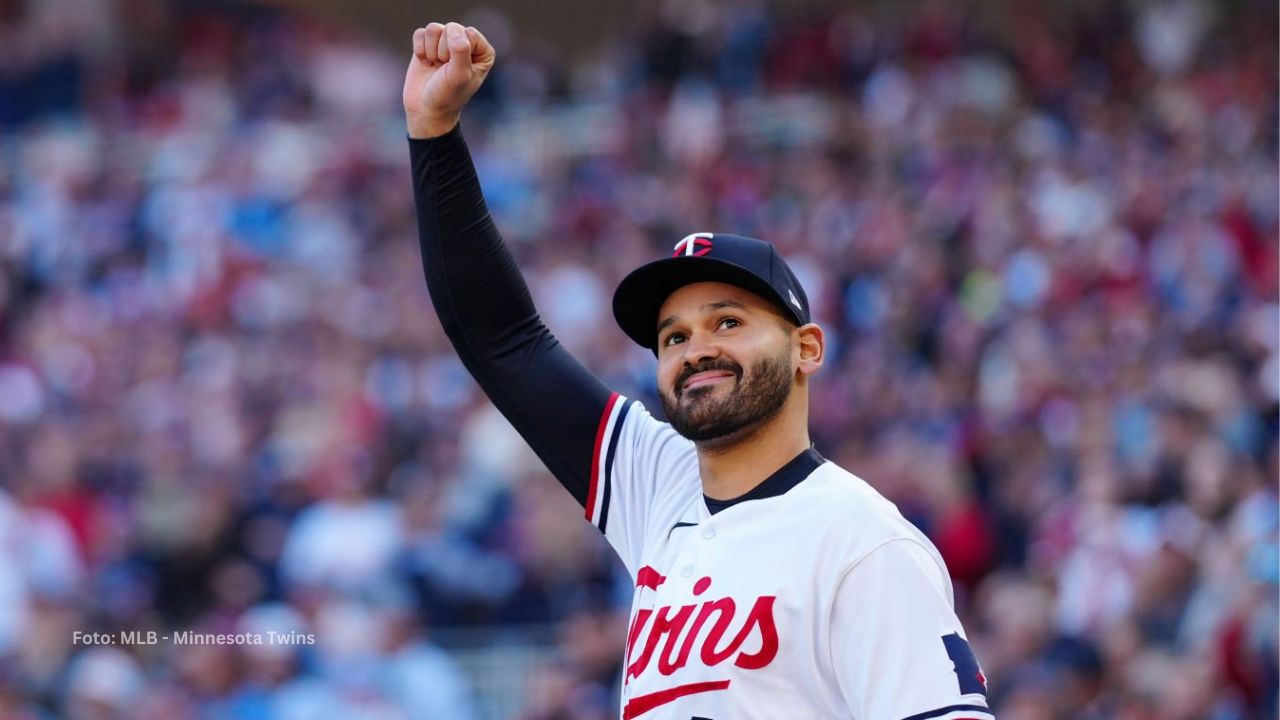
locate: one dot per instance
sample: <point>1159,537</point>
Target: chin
<point>730,439</point>
<point>720,432</point>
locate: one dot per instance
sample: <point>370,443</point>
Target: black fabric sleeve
<point>485,307</point>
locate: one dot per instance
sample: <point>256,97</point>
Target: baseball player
<point>769,582</point>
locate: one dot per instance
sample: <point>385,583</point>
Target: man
<point>769,583</point>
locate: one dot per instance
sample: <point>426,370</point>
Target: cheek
<point>751,350</point>
<point>667,373</point>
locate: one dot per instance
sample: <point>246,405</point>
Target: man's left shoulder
<point>832,489</point>
<point>843,505</point>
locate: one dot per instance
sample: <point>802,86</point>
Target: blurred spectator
<point>102,684</point>
<point>347,540</point>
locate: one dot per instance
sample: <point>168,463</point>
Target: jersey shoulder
<point>854,515</point>
<point>656,441</point>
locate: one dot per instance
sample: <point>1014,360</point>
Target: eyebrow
<point>717,305</point>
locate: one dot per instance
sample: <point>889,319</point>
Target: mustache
<point>691,370</point>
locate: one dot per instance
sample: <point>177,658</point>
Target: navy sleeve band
<point>485,307</point>
<point>972,713</point>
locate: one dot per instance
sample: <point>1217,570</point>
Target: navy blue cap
<point>706,257</point>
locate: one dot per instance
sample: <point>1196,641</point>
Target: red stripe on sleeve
<point>594,480</point>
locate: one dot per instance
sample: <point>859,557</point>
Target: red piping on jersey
<point>596,477</point>
<point>642,704</point>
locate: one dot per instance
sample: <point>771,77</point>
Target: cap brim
<point>640,294</point>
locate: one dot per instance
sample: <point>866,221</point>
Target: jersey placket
<point>648,656</point>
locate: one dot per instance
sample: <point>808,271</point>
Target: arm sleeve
<point>556,404</point>
<point>897,646</point>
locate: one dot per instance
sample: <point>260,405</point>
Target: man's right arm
<point>609,453</point>
<point>556,404</point>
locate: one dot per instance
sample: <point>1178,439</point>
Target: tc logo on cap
<point>695,245</point>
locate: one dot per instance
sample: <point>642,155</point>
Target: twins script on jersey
<point>811,597</point>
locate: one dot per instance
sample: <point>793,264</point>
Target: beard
<point>755,398</point>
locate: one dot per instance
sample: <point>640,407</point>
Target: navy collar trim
<point>785,478</point>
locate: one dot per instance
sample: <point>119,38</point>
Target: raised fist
<point>449,64</point>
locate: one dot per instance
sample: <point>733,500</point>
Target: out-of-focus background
<point>1042,237</point>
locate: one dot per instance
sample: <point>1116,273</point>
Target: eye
<point>729,323</point>
<point>673,339</point>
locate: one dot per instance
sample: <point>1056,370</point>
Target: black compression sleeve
<point>485,307</point>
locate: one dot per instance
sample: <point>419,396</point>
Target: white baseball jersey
<point>809,597</point>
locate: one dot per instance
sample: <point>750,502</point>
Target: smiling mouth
<point>705,378</point>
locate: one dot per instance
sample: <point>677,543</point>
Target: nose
<point>700,347</point>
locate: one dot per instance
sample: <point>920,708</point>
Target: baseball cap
<point>748,263</point>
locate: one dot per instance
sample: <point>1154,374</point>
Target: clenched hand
<point>449,63</point>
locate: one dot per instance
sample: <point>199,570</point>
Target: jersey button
<point>686,571</point>
<point>708,534</point>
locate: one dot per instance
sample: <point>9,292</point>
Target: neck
<point>733,466</point>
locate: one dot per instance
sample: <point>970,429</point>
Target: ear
<point>811,346</point>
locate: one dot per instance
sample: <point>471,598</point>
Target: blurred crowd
<point>1042,238</point>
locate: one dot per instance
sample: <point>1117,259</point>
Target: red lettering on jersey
<point>649,578</point>
<point>724,606</point>
<point>667,664</point>
<point>672,631</point>
<point>642,704</point>
<point>761,616</point>
<point>634,634</point>
<point>663,626</point>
